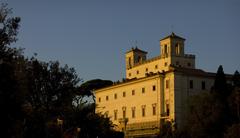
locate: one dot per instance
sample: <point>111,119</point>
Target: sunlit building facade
<point>155,90</point>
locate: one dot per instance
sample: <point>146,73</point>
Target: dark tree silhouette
<point>236,79</point>
<point>220,83</point>
<point>11,97</point>
<point>88,87</point>
<point>37,98</point>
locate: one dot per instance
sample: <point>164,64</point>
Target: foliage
<point>221,88</point>
<point>88,87</point>
<point>212,114</point>
<point>11,98</point>
<point>236,79</point>
<point>36,97</point>
<point>233,131</point>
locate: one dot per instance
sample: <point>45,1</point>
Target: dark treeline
<point>43,99</point>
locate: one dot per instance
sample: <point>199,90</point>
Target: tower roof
<point>172,35</point>
<point>136,49</point>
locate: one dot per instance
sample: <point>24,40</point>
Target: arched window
<point>139,59</point>
<point>177,49</point>
<point>165,50</point>
<point>129,62</point>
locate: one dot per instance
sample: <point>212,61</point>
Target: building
<point>155,90</point>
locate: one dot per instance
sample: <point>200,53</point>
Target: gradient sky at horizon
<point>93,36</point>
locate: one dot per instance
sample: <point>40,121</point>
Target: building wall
<point>188,61</point>
<point>154,66</point>
<point>160,64</point>
<point>172,89</point>
<point>183,91</point>
<point>147,98</point>
<point>169,96</point>
<point>139,125</point>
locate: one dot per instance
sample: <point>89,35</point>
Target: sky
<point>93,36</point>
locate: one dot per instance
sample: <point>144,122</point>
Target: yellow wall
<point>176,96</point>
<point>148,98</point>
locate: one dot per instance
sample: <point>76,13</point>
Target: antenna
<point>135,43</point>
<point>131,43</point>
<point>172,28</point>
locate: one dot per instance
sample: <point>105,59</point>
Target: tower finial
<point>172,28</point>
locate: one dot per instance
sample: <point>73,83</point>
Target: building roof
<point>191,71</point>
<point>197,72</point>
<point>136,49</point>
<point>172,35</point>
<point>130,81</point>
<point>185,71</point>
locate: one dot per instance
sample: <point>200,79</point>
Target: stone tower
<point>135,56</point>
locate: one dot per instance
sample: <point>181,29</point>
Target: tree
<point>205,116</point>
<point>35,95</point>
<point>233,131</point>
<point>88,87</point>
<point>234,98</point>
<point>236,79</point>
<point>51,92</point>
<point>220,84</point>
<point>11,97</point>
<point>9,27</point>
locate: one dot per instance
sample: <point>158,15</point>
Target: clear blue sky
<point>93,35</point>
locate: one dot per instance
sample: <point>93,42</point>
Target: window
<point>115,96</point>
<point>133,92</point>
<point>177,62</point>
<point>143,110</point>
<point>124,111</point>
<point>143,90</point>
<point>203,85</point>
<point>156,66</point>
<point>167,109</point>
<point>146,69</point>
<point>167,84</point>
<point>153,87</point>
<point>154,109</point>
<point>139,59</point>
<point>189,64</point>
<point>165,49</point>
<point>177,49</point>
<point>99,100</point>
<point>133,112</point>
<point>129,74</point>
<point>106,98</point>
<point>115,114</point>
<point>124,94</point>
<point>137,72</point>
<point>191,84</point>
<point>165,64</point>
<point>129,62</point>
